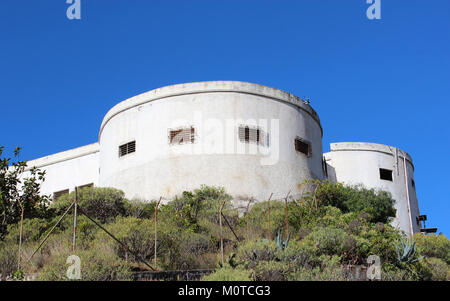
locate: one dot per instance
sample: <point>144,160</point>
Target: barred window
<point>183,135</point>
<point>127,148</point>
<point>248,134</point>
<point>302,146</point>
<point>58,194</point>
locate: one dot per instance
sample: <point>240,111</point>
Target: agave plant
<point>282,245</point>
<point>407,251</point>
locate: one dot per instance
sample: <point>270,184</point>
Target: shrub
<point>271,271</point>
<point>255,251</point>
<point>433,245</point>
<point>329,241</point>
<point>203,203</point>
<point>100,203</point>
<point>329,270</point>
<point>8,259</point>
<point>97,264</point>
<point>437,268</point>
<point>141,209</point>
<point>379,205</point>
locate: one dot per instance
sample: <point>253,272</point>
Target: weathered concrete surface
<point>160,169</point>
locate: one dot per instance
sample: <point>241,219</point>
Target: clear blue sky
<point>384,81</point>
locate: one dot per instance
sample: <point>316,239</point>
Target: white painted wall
<point>359,163</point>
<point>68,169</point>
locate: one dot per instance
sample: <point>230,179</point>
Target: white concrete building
<point>251,139</point>
<point>380,167</point>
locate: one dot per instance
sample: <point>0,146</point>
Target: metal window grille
<point>184,135</point>
<point>127,148</point>
<point>247,134</point>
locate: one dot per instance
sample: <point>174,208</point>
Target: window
<point>413,184</point>
<point>302,146</point>
<point>84,186</point>
<point>127,148</point>
<point>183,135</point>
<point>58,194</point>
<point>248,134</point>
<point>386,174</point>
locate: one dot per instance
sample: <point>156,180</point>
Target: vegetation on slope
<point>332,227</point>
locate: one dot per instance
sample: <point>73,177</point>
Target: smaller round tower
<point>380,167</point>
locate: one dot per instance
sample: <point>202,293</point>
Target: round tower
<point>251,139</point>
<point>381,167</point>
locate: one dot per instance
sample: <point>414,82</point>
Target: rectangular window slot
<point>248,134</point>
<point>413,184</point>
<point>58,194</point>
<point>302,146</point>
<point>127,148</point>
<point>180,136</point>
<point>386,174</point>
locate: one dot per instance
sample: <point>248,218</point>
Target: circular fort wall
<point>216,153</point>
<point>360,163</point>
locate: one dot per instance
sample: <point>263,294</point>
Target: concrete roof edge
<point>368,146</point>
<point>64,155</point>
<point>208,87</point>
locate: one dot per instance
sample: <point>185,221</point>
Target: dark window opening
<point>58,194</point>
<point>413,184</point>
<point>386,174</point>
<point>325,167</point>
<point>247,134</point>
<point>185,135</point>
<point>127,148</point>
<point>302,147</point>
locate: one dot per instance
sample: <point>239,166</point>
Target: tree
<point>17,191</point>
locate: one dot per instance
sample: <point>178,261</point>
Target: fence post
<point>287,214</point>
<point>221,231</point>
<point>268,203</point>
<point>156,228</point>
<point>20,234</point>
<point>74,242</point>
<point>246,215</point>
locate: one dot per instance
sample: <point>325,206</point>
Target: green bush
<point>433,245</point>
<point>141,209</point>
<point>254,251</point>
<point>437,268</point>
<point>271,271</point>
<point>8,259</point>
<point>101,203</point>
<point>329,241</point>
<point>330,269</point>
<point>97,264</point>
<point>379,205</point>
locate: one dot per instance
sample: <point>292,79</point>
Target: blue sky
<point>384,81</point>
